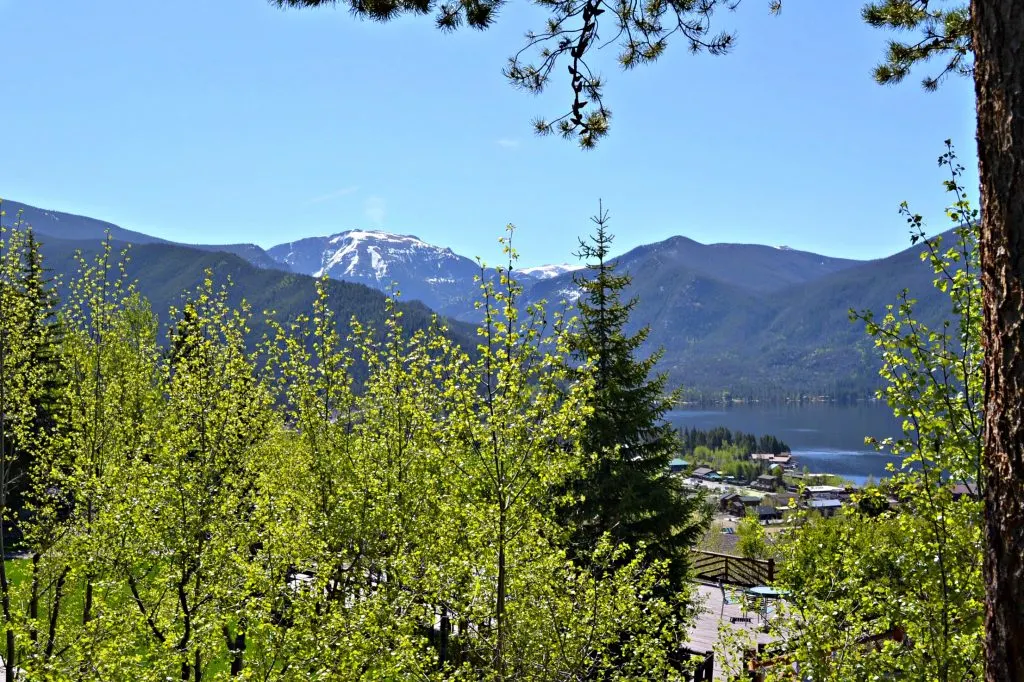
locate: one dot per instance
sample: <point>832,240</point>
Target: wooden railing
<point>732,570</point>
<point>705,669</point>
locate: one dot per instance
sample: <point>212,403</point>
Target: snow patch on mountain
<point>549,271</point>
<point>570,295</point>
<point>435,275</point>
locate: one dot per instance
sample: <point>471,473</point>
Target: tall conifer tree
<point>42,336</point>
<point>627,490</point>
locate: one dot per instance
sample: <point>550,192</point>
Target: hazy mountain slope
<point>748,266</point>
<point>67,226</point>
<point>754,320</point>
<point>817,317</point>
<point>167,272</point>
<point>722,330</point>
<point>802,336</point>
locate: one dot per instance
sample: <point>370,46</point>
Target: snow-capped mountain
<point>420,271</point>
<point>547,271</point>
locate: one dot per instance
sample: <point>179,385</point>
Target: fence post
<point>771,569</point>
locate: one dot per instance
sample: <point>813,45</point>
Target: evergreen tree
<point>626,490</point>
<point>42,336</point>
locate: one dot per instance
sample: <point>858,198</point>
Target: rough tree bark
<point>998,37</point>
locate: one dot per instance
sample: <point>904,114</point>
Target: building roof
<point>703,471</point>
<point>766,478</point>
<point>678,462</point>
<point>729,496</point>
<point>750,499</point>
<point>813,489</point>
<point>765,510</point>
<point>761,456</point>
<point>824,504</point>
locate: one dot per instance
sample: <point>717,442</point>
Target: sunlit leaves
<point>906,560</point>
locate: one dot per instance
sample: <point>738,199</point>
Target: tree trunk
<point>500,605</point>
<point>998,36</point>
<point>33,603</point>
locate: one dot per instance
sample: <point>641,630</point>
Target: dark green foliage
<point>43,330</point>
<point>38,333</point>
<point>872,502</point>
<point>40,287</point>
<point>729,452</point>
<point>640,30</point>
<point>626,490</point>
<point>942,30</point>
<point>721,437</point>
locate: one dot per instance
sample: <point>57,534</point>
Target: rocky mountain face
<point>437,276</point>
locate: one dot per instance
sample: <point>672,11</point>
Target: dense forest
<point>721,437</point>
<point>182,503</point>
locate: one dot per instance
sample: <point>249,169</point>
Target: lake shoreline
<point>827,438</point>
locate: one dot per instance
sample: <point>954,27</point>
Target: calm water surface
<point>826,438</point>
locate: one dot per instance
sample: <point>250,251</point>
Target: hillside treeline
<point>200,509</point>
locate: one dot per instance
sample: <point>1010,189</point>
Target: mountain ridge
<point>752,319</point>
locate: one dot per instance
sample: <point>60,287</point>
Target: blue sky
<point>233,121</point>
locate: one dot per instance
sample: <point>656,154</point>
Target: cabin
<point>767,513</point>
<point>785,461</point>
<point>826,508</point>
<point>765,482</point>
<point>726,500</point>
<point>742,503</point>
<point>707,474</point>
<point>677,465</point>
<point>762,456</point>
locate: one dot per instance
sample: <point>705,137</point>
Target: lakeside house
<point>740,505</point>
<point>767,513</point>
<point>765,482</point>
<point>785,459</point>
<point>825,492</point>
<point>826,507</point>
<point>678,465</point>
<point>707,474</point>
<point>726,500</point>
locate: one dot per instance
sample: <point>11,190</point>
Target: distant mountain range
<point>753,320</point>
<point>436,275</point>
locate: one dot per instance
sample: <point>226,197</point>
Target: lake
<point>824,437</point>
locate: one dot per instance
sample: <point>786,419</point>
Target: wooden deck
<point>704,634</point>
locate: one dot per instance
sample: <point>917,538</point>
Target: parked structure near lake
<point>825,507</point>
